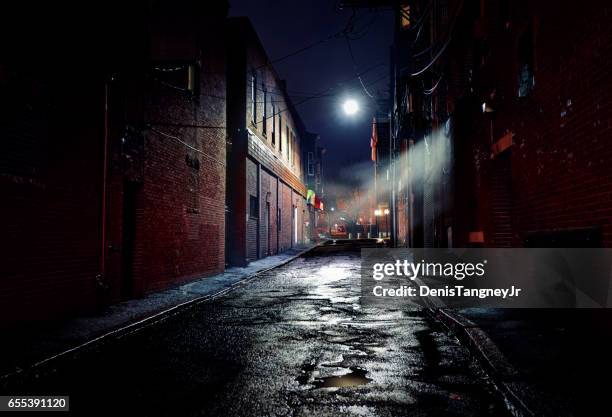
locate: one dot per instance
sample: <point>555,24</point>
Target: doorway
<point>295,226</point>
<point>268,230</point>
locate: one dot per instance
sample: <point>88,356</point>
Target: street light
<point>351,107</point>
<point>387,220</point>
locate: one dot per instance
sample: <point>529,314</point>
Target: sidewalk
<point>563,355</point>
<point>545,362</point>
<point>33,346</point>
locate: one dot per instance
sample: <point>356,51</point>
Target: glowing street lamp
<point>350,107</point>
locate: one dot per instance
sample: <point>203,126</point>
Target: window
<point>273,125</point>
<point>311,164</point>
<point>287,139</point>
<point>264,127</point>
<point>253,207</point>
<point>180,76</point>
<point>526,80</point>
<point>254,98</point>
<point>290,147</point>
<point>404,16</point>
<point>280,134</point>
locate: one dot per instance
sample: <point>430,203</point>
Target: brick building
<point>312,156</point>
<point>382,183</point>
<point>501,123</point>
<point>112,168</point>
<point>266,195</point>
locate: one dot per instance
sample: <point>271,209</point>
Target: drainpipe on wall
<point>101,284</point>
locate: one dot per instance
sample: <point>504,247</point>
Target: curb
<point>519,396</point>
<point>141,324</point>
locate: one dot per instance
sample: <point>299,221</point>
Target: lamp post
<point>387,220</point>
<point>330,221</point>
<point>377,214</point>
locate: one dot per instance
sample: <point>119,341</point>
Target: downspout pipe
<point>101,278</point>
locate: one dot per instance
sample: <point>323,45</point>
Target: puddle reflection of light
<point>333,273</point>
<point>326,288</point>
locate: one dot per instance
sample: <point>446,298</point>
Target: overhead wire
<point>445,45</point>
<point>176,138</point>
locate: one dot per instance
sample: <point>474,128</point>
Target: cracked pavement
<point>293,342</point>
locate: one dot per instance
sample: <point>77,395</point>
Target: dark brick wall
<point>50,176</point>
<point>51,168</point>
<point>253,222</point>
<point>285,218</point>
<point>540,161</point>
<point>561,154</point>
<point>268,235</point>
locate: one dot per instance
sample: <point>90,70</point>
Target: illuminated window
<point>404,16</point>
<point>180,76</point>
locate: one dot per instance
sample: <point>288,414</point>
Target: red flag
<point>374,139</point>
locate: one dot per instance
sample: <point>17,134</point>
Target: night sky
<point>287,26</point>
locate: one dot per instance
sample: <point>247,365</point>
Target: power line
<point>433,60</point>
<point>324,92</point>
<point>346,29</point>
<point>348,43</point>
<point>179,140</point>
<point>443,48</point>
<point>432,89</point>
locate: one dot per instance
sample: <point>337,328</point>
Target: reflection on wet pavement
<point>294,342</point>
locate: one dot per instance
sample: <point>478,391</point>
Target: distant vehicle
<point>339,231</point>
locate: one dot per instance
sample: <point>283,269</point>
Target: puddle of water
<point>305,374</point>
<point>356,377</point>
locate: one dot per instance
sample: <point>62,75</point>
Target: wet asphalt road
<point>293,342</point>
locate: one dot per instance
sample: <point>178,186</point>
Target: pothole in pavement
<point>355,378</point>
<point>305,374</point>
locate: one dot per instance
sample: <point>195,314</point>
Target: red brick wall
<point>183,184</point>
<point>556,174</point>
<point>180,232</point>
<point>561,155</point>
